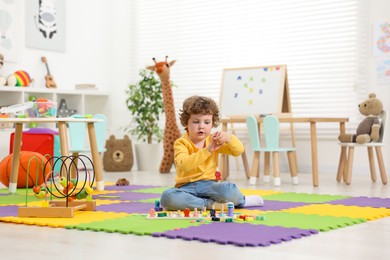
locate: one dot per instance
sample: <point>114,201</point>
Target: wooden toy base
<point>57,209</point>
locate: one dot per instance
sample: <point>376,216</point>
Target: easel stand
<point>258,91</point>
<point>57,209</point>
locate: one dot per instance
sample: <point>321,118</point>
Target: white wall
<point>98,51</point>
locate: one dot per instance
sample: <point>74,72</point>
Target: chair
<point>271,134</point>
<point>346,156</point>
<point>77,136</point>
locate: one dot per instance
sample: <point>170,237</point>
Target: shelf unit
<point>84,101</point>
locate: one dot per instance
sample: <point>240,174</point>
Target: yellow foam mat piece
<point>80,217</point>
<point>106,202</point>
<point>342,211</point>
<point>248,192</point>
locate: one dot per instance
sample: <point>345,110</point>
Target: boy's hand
<point>217,140</point>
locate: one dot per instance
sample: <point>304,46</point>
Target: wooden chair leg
<point>370,152</point>
<point>348,169</point>
<point>255,168</point>
<point>292,162</point>
<point>267,161</point>
<point>341,169</point>
<point>275,168</point>
<point>245,163</point>
<point>382,168</point>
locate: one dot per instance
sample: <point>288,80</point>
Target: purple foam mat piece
<point>129,196</point>
<point>127,207</point>
<point>239,234</point>
<point>6,211</point>
<point>363,202</point>
<point>277,205</point>
<point>130,187</point>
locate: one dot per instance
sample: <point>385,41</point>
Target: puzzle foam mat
<point>285,216</point>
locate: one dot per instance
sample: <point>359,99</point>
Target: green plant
<point>146,105</point>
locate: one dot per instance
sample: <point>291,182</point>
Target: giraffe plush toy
<point>171,131</point>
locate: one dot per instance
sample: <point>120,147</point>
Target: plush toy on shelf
<point>2,79</point>
<point>368,130</point>
<point>20,78</point>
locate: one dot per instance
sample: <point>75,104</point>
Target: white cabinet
<point>84,101</point>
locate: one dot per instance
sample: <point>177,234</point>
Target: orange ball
<point>26,170</point>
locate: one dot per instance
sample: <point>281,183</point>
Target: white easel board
<point>254,91</point>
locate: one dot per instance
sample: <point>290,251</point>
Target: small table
<point>62,129</point>
<point>313,137</point>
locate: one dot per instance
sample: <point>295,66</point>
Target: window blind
<point>322,42</point>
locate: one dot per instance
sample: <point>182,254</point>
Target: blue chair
<point>271,135</point>
<point>77,133</point>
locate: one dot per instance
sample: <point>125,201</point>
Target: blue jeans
<point>201,194</point>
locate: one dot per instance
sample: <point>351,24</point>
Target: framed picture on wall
<point>45,24</point>
<point>9,30</point>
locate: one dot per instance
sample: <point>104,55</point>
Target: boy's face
<point>199,127</point>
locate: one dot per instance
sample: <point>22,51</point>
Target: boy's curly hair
<point>196,105</point>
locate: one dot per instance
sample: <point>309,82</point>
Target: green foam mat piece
<point>306,221</point>
<point>16,198</point>
<point>304,197</point>
<point>135,224</point>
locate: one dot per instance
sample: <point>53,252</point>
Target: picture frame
<point>45,24</point>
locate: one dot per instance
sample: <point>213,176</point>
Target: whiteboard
<point>252,91</point>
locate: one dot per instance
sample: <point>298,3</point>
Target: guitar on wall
<point>50,83</point>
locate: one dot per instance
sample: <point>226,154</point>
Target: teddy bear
<point>10,80</point>
<point>118,155</point>
<point>368,130</point>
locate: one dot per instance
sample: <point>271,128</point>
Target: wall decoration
<point>45,24</point>
<point>381,41</point>
<point>9,29</point>
<point>383,71</point>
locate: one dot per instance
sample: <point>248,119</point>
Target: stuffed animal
<point>122,182</point>
<point>119,154</point>
<point>2,79</point>
<point>19,78</point>
<point>368,129</point>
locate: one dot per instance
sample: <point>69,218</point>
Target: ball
<point>29,170</point>
<point>22,78</point>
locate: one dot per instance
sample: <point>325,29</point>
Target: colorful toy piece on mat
<point>31,165</point>
<point>156,213</point>
<point>77,195</point>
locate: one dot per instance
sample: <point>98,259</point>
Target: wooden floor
<point>365,241</point>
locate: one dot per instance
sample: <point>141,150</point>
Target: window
<point>322,42</point>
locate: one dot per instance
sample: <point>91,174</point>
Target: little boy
<point>196,160</point>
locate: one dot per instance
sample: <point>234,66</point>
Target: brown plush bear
<point>119,154</point>
<point>368,129</point>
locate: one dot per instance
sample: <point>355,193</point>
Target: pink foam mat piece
<point>363,202</point>
<point>239,234</point>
